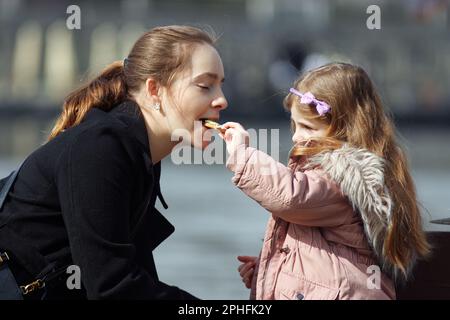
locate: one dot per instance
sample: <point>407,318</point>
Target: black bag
<point>47,275</point>
<point>9,290</point>
<point>6,184</point>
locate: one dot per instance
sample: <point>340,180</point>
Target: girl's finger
<point>234,125</point>
<point>243,265</point>
<point>228,134</point>
<point>247,279</point>
<point>249,274</point>
<point>243,270</point>
<point>246,267</point>
<point>246,258</point>
<point>230,124</point>
<point>247,283</point>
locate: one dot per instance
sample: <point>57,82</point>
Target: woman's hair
<point>358,119</point>
<point>160,53</point>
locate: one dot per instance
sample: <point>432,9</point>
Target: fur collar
<point>360,175</point>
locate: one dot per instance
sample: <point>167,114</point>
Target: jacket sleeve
<point>95,184</point>
<point>307,198</point>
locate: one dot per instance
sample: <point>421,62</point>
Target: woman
<point>87,197</point>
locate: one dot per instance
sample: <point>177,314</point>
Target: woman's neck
<point>159,135</point>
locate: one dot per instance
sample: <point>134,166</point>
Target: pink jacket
<point>329,216</point>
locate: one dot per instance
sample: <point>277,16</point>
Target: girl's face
<point>305,129</point>
<point>197,94</point>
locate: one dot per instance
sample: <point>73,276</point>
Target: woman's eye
<point>203,87</point>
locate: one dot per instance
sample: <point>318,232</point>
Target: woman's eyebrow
<point>209,75</point>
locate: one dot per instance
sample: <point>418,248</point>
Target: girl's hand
<point>234,136</point>
<point>247,269</point>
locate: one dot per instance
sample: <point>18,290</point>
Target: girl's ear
<point>152,89</point>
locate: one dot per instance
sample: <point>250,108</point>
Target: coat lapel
<point>157,226</point>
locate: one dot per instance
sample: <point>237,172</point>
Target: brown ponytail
<point>159,53</point>
<point>103,92</point>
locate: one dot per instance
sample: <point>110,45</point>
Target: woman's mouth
<point>211,124</point>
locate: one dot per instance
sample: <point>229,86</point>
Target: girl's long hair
<point>357,117</point>
<point>159,53</point>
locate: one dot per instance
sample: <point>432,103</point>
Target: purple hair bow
<point>308,98</point>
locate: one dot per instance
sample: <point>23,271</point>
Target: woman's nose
<point>220,102</point>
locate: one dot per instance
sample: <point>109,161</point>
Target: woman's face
<point>305,129</point>
<point>196,94</point>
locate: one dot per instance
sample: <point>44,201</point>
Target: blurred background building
<point>265,45</point>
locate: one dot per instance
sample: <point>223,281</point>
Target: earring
<point>157,106</point>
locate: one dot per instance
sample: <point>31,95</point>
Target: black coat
<point>80,199</point>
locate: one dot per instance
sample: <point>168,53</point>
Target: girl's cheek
<point>320,133</point>
<point>305,134</point>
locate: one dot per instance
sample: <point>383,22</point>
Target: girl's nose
<point>295,138</point>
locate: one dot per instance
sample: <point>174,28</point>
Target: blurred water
<point>215,222</point>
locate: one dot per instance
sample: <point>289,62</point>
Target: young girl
<point>344,222</point>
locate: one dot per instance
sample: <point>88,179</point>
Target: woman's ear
<point>152,89</point>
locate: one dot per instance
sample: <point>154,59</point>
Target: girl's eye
<point>203,87</point>
<point>306,127</point>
